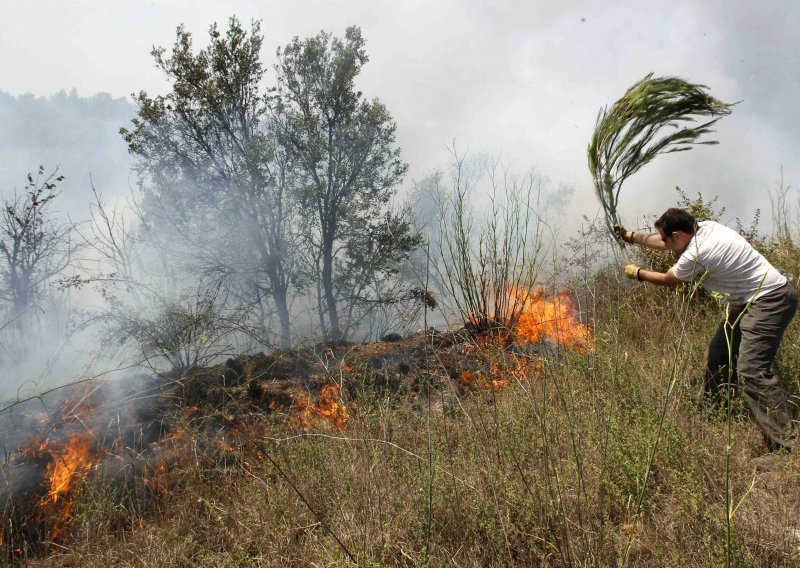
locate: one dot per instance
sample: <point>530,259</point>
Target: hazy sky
<point>519,79</point>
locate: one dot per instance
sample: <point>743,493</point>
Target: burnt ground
<point>141,409</point>
<point>399,366</point>
<point>135,425</point>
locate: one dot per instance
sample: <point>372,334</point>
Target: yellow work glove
<point>632,271</point>
<point>622,234</point>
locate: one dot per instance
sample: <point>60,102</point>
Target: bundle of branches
<point>631,133</point>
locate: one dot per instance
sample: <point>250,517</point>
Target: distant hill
<point>78,134</point>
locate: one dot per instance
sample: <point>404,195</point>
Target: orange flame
<point>69,462</point>
<point>542,318</point>
<point>159,481</point>
<point>327,408</point>
<point>503,374</point>
<point>165,463</point>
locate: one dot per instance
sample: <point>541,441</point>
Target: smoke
<point>522,81</point>
<point>78,136</point>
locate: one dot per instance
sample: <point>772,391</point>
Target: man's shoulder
<point>712,232</point>
<point>709,241</point>
<point>709,225</point>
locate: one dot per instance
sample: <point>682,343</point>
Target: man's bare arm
<point>659,278</point>
<point>649,240</point>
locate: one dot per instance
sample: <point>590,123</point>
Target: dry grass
<point>545,472</point>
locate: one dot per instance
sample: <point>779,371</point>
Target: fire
<point>68,462</point>
<point>543,318</point>
<point>159,481</point>
<point>164,467</point>
<point>327,408</point>
<point>66,459</point>
<point>503,374</point>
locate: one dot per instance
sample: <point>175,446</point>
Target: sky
<point>522,81</point>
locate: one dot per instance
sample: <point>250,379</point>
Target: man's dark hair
<point>675,219</point>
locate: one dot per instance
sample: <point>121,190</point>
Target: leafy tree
<point>34,247</point>
<point>217,172</point>
<point>348,168</point>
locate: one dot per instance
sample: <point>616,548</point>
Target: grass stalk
<point>730,508</point>
<point>673,380</point>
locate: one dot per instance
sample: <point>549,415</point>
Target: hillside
<point>425,450</point>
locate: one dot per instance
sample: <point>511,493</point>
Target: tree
<point>348,168</point>
<point>34,248</point>
<point>217,171</point>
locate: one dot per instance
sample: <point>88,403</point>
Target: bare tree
<point>34,247</point>
<point>489,265</point>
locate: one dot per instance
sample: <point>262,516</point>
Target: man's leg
<point>762,328</point>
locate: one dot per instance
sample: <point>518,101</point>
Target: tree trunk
<point>277,285</point>
<point>22,298</point>
<point>327,288</point>
<point>282,307</point>
<point>278,291</point>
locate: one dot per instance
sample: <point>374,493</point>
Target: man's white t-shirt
<point>731,265</point>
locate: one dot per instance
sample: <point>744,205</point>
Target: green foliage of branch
<point>655,116</point>
<point>350,166</point>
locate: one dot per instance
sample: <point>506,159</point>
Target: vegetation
<point>475,454</point>
<point>488,266</point>
<point>35,250</point>
<point>344,147</point>
<point>213,170</point>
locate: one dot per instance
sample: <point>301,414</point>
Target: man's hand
<point>622,234</point>
<point>632,271</point>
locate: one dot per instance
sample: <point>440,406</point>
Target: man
<point>726,263</point>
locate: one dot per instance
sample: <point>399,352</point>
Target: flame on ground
<point>328,409</point>
<point>166,461</point>
<point>503,374</point>
<point>158,481</point>
<point>69,462</point>
<point>542,318</point>
<point>538,317</point>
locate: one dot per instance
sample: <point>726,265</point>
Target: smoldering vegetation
<point>255,221</point>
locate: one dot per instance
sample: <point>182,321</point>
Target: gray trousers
<point>755,341</point>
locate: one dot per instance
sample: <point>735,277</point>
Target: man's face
<point>675,242</point>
